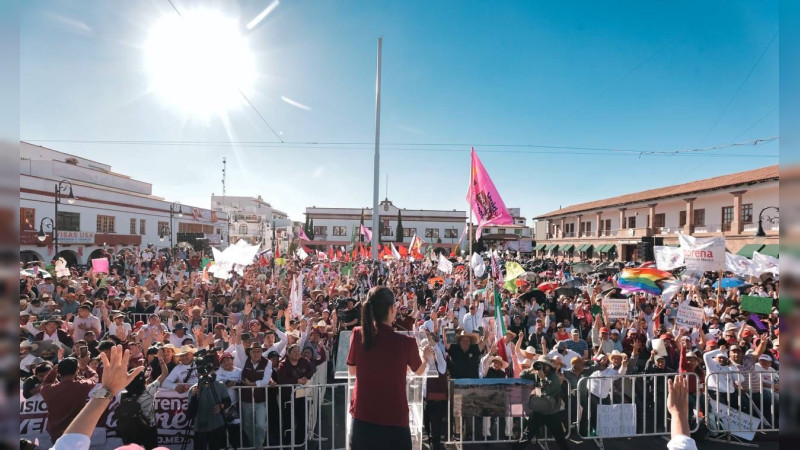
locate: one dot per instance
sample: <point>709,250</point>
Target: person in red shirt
<point>379,359</point>
<point>66,398</point>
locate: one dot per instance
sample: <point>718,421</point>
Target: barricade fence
<point>741,404</point>
<point>621,406</point>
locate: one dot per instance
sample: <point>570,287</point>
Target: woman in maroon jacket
<point>379,359</point>
<point>293,370</point>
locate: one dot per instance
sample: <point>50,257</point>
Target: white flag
<point>301,253</point>
<point>668,258</point>
<point>444,264</point>
<point>765,263</point>
<point>705,254</point>
<point>478,267</point>
<point>740,265</point>
<point>395,253</point>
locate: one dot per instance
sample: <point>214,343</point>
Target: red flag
<point>277,251</point>
<point>262,261</point>
<point>330,253</point>
<point>338,254</point>
<point>403,251</point>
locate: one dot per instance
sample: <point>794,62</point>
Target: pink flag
<point>303,235</point>
<point>366,232</point>
<point>484,198</point>
<point>100,265</point>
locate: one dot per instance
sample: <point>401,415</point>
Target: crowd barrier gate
<point>740,404</point>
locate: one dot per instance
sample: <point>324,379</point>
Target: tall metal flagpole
<point>376,180</point>
<point>471,271</point>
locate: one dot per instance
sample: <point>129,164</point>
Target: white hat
<point>765,357</point>
<point>614,331</point>
<point>730,327</point>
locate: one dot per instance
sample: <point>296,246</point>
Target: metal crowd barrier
<point>740,404</point>
<point>499,430</point>
<point>290,417</point>
<point>627,406</point>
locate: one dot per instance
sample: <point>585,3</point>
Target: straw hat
<point>545,360</point>
<point>503,363</point>
<point>529,352</point>
<point>472,337</point>
<point>186,349</point>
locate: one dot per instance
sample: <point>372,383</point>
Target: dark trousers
<point>147,439</point>
<point>369,436</point>
<point>210,440</point>
<point>553,423</point>
<point>435,415</point>
<point>233,435</point>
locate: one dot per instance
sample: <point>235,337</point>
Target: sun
<point>199,62</point>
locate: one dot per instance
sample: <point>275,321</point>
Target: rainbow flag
<point>642,279</point>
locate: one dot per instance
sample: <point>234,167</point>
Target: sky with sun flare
<point>577,84</point>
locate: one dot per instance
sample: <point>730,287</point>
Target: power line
<point>440,147</point>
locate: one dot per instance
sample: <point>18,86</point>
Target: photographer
<point>544,402</point>
<point>136,421</point>
<point>208,400</point>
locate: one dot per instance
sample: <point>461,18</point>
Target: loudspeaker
<point>644,251</point>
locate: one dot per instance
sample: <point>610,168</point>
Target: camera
<point>204,364</point>
<point>538,366</point>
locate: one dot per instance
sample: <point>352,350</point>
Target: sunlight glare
<point>199,62</point>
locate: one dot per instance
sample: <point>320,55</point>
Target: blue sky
<point>637,76</point>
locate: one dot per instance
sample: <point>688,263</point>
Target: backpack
<point>130,418</point>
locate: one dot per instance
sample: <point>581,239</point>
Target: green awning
<point>581,248</point>
<point>673,245</point>
<point>748,250</point>
<point>770,250</point>
<point>540,247</point>
<point>567,247</point>
<point>551,247</point>
<point>599,248</point>
<point>588,248</point>
<point>608,248</point>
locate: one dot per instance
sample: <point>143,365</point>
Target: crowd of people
<point>168,313</point>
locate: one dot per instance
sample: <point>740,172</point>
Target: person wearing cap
<point>257,374</point>
<point>465,356</point>
<point>567,356</point>
<point>599,386</point>
<point>769,376</point>
<point>31,385</point>
<point>84,322</point>
<point>116,325</point>
<point>600,336</point>
<point>720,381</point>
<point>65,397</point>
<point>405,321</point>
<point>230,376</point>
<point>655,391</point>
<point>51,331</point>
<point>184,374</point>
<point>26,328</point>
<point>178,335</point>
<point>750,381</point>
<point>544,401</point>
<point>578,345</point>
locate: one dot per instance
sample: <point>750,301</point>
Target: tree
<point>305,226</point>
<point>292,248</point>
<point>310,230</point>
<point>399,231</point>
<point>361,236</point>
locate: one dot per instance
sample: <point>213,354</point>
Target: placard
<point>760,305</point>
<point>703,254</point>
<point>617,308</point>
<point>616,420</point>
<point>737,422</point>
<point>689,316</point>
<point>491,397</point>
<point>100,265</point>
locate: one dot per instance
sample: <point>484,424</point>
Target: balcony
<point>571,234</point>
<point>637,232</point>
<point>668,230</point>
<point>705,229</point>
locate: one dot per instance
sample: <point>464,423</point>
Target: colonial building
<point>340,226</point>
<point>99,209</point>
<point>253,219</point>
<point>627,226</point>
<point>515,237</point>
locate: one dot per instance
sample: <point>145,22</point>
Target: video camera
<point>204,364</point>
<point>538,366</point>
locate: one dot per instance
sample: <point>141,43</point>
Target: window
<point>727,217</point>
<point>632,222</point>
<point>569,229</point>
<point>431,232</point>
<point>387,231</point>
<point>451,233</point>
<point>518,231</point>
<point>682,218</point>
<point>409,232</point>
<point>747,213</point>
<point>608,225</point>
<point>105,224</point>
<point>499,231</point>
<point>660,220</point>
<point>243,229</point>
<point>142,228</point>
<point>605,227</point>
<point>586,228</point>
<point>133,226</point>
<point>699,217</point>
<point>184,227</point>
<point>340,231</point>
<point>27,219</point>
<point>321,230</point>
<point>162,226</point>
<point>69,221</point>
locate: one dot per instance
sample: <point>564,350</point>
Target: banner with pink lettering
<point>170,413</point>
<point>703,254</point>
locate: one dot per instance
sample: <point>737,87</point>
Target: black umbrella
<point>576,282</point>
<point>567,291</point>
<point>535,294</point>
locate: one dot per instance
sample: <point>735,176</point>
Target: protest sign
<point>703,254</point>
<point>617,308</point>
<point>738,423</point>
<point>689,316</point>
<point>760,305</point>
<point>100,265</point>
<point>596,309</point>
<point>488,397</point>
<point>616,420</point>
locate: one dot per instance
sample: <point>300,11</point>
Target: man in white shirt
<point>566,355</point>
<point>183,375</point>
<point>600,385</point>
<point>178,335</point>
<point>84,322</point>
<point>473,319</point>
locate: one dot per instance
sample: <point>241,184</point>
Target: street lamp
<point>63,186</point>
<point>50,226</point>
<point>163,232</point>
<point>771,219</point>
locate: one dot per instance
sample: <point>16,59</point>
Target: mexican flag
<point>499,326</point>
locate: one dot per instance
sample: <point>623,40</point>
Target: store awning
<point>599,248</point>
<point>551,247</point>
<point>770,250</point>
<point>539,247</point>
<point>581,248</point>
<point>748,250</point>
<point>608,248</point>
<point>567,247</point>
<point>673,245</point>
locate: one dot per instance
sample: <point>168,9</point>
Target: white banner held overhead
<point>617,308</point>
<point>703,254</point>
<point>689,317</point>
<point>444,264</point>
<point>668,258</point>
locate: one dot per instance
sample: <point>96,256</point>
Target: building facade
<point>340,226</point>
<point>253,219</point>
<point>517,237</point>
<point>623,227</point>
<point>110,210</point>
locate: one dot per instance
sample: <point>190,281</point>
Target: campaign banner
<point>689,316</point>
<point>487,397</point>
<point>170,415</point>
<point>668,258</point>
<point>616,420</point>
<point>737,422</point>
<point>703,254</point>
<point>617,308</point>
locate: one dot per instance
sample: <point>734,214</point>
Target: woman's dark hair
<point>375,310</point>
<point>136,387</point>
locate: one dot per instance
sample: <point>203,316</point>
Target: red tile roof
<point>724,181</point>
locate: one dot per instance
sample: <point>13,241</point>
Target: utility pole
<point>376,180</point>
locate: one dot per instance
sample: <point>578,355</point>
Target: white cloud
<point>295,103</point>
